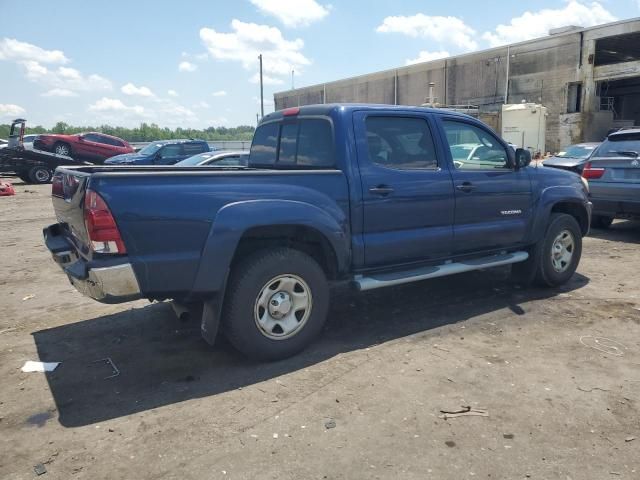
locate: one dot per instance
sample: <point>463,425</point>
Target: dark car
<point>573,157</point>
<point>362,195</point>
<point>613,173</point>
<point>165,152</point>
<point>217,159</point>
<point>92,146</point>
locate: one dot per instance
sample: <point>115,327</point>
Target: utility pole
<point>261,89</point>
<point>292,72</point>
<point>257,118</point>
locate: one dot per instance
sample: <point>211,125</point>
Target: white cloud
<point>293,13</point>
<point>220,93</point>
<point>172,93</point>
<point>10,110</point>
<point>177,112</point>
<point>446,30</point>
<point>59,92</point>
<point>537,24</point>
<point>114,105</point>
<point>202,104</point>
<point>425,56</point>
<point>131,89</point>
<point>12,49</point>
<point>187,67</point>
<point>65,78</point>
<point>266,79</point>
<point>248,40</point>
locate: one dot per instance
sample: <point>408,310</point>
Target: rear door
<point>407,192</point>
<point>492,199</point>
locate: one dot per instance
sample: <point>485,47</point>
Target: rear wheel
<point>276,304</point>
<point>560,251</point>
<point>62,148</point>
<point>40,175</point>
<point>601,221</point>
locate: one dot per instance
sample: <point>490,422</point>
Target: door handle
<point>466,187</point>
<point>383,190</point>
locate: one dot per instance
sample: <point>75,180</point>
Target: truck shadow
<point>162,361</point>
<point>627,231</point>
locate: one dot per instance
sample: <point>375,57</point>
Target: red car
<point>92,146</point>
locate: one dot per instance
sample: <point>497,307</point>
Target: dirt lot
<point>386,365</point>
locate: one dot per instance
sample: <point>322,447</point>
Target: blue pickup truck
<point>367,195</point>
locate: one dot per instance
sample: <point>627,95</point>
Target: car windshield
<point>625,147</point>
<point>576,151</point>
<point>151,149</point>
<point>195,160</point>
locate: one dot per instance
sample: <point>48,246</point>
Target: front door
<point>493,199</point>
<point>407,192</point>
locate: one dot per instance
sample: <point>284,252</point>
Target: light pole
<point>261,89</point>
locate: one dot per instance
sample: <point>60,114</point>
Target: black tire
<point>601,221</point>
<point>24,177</point>
<point>40,175</point>
<point>546,274</point>
<point>249,280</point>
<point>59,147</point>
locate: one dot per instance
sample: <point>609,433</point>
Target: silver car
<point>216,159</point>
<point>613,173</point>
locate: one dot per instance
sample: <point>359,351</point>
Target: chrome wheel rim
<point>41,175</point>
<point>283,307</point>
<point>62,150</point>
<point>562,251</point>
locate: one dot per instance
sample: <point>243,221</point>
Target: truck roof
<point>344,108</point>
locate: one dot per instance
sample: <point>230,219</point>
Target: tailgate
<point>67,193</point>
<point>617,170</point>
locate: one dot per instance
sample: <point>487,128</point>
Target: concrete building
<point>588,78</point>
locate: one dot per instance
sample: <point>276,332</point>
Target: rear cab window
<point>298,143</point>
<point>620,145</point>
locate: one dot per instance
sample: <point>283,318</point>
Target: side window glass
<point>473,148</point>
<point>264,145</point>
<point>400,142</point>
<point>168,154</point>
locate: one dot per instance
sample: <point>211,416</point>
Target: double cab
<point>366,195</point>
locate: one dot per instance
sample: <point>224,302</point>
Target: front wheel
<point>62,148</point>
<point>276,304</point>
<point>40,175</point>
<point>560,251</point>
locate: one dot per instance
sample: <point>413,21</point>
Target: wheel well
<point>305,239</point>
<point>577,211</point>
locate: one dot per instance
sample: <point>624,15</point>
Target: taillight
<point>57,190</point>
<point>288,112</point>
<point>104,235</point>
<point>590,172</point>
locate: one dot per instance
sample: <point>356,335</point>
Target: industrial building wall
<point>538,71</point>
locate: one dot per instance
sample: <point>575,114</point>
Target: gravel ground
<point>364,401</point>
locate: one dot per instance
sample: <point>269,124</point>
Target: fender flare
<point>234,219</point>
<point>550,197</point>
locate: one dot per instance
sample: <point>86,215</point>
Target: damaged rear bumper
<point>107,281</point>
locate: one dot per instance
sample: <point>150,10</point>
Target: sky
<point>194,63</point>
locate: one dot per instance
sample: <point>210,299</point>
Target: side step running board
<point>408,276</point>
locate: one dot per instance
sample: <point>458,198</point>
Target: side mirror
<point>523,158</point>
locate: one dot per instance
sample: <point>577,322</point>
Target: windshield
<point>627,147</point>
<point>151,149</point>
<point>577,151</point>
<point>195,160</point>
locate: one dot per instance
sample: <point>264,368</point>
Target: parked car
<point>217,159</point>
<point>165,152</point>
<point>572,158</point>
<point>613,173</point>
<point>367,196</point>
<point>27,141</point>
<point>93,147</point>
<point>3,143</point>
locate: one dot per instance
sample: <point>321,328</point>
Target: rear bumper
<point>107,281</point>
<point>616,208</point>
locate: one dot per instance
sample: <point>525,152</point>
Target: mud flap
<point>210,321</point>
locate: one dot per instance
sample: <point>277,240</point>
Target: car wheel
<point>62,148</point>
<point>40,175</point>
<point>24,177</point>
<point>276,304</point>
<point>560,251</point>
<point>601,221</point>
